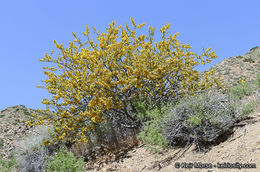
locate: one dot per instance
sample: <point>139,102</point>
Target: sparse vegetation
<point>239,57</point>
<point>252,49</point>
<point>25,111</point>
<point>250,60</point>
<point>1,142</point>
<point>249,108</point>
<point>2,110</point>
<point>64,161</point>
<point>227,72</point>
<point>7,165</point>
<point>240,90</point>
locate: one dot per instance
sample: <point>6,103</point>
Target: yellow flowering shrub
<point>88,79</point>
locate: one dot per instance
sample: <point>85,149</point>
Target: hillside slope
<point>12,127</point>
<point>242,146</point>
<point>242,66</point>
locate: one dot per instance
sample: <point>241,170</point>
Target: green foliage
<point>252,49</point>
<point>250,60</point>
<point>249,108</point>
<point>1,142</point>
<point>143,106</point>
<point>65,161</point>
<point>9,164</point>
<point>239,57</point>
<point>25,111</point>
<point>241,90</point>
<point>194,120</point>
<point>152,132</point>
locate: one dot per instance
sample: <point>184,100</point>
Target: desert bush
<point>200,119</point>
<point>152,130</point>
<point>250,60</point>
<point>153,117</point>
<point>92,82</point>
<point>243,88</point>
<point>31,153</point>
<point>33,161</point>
<point>34,141</point>
<point>111,133</point>
<point>248,108</point>
<point>64,161</point>
<point>239,57</point>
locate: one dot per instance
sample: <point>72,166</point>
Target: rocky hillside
<point>243,66</point>
<point>12,127</point>
<point>242,146</point>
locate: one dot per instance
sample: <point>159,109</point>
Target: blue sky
<point>28,28</point>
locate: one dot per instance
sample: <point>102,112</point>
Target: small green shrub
<point>9,164</point>
<point>239,57</point>
<point>241,90</point>
<point>143,106</point>
<point>250,60</point>
<point>194,120</point>
<point>152,130</point>
<point>1,142</point>
<point>25,111</point>
<point>249,108</point>
<point>64,161</point>
<point>152,133</point>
